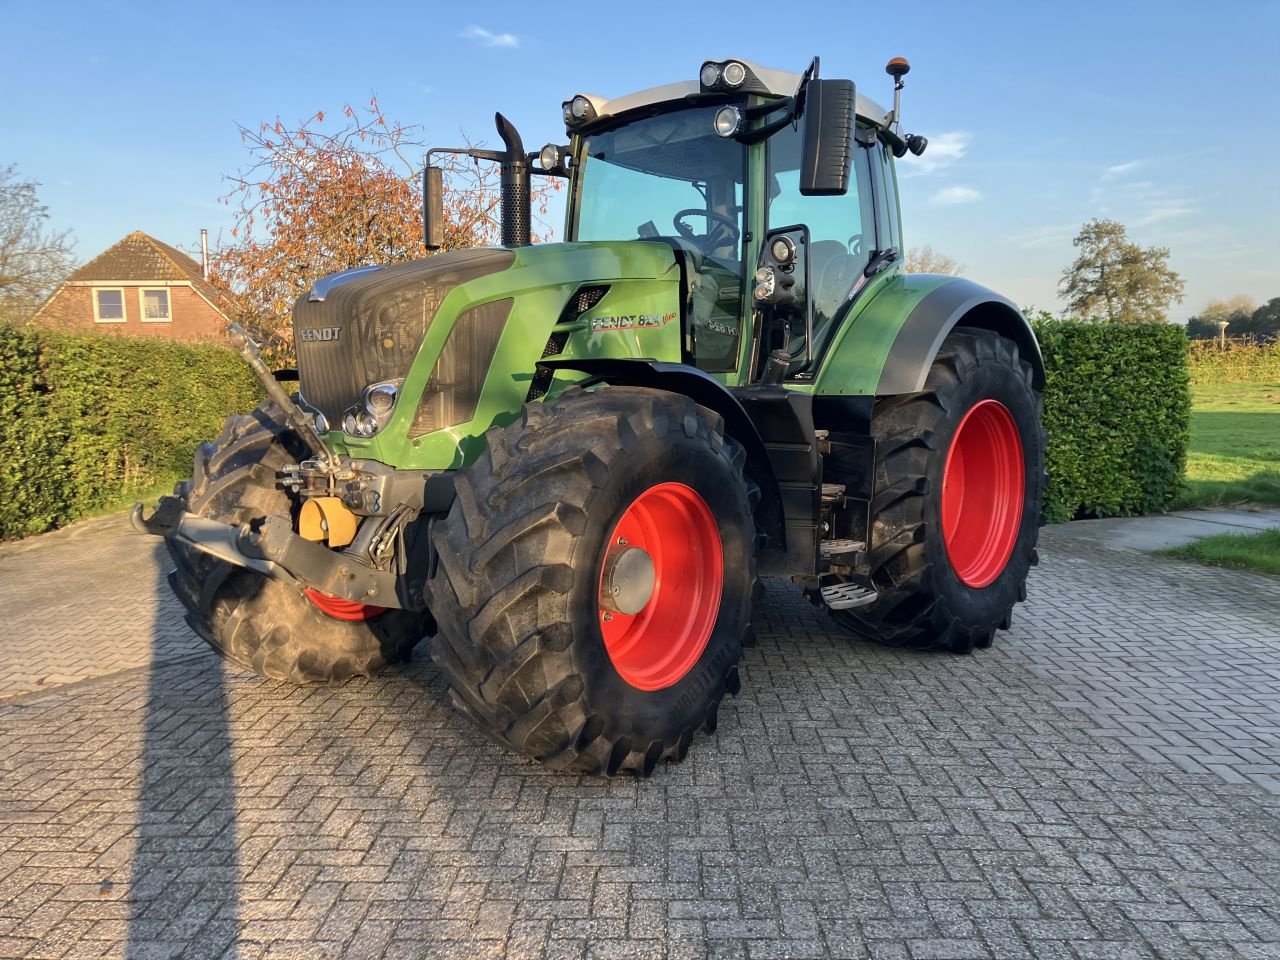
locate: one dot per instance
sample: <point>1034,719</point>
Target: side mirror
<point>826,155</point>
<point>433,207</point>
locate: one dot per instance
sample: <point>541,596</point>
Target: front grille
<point>369,328</point>
<point>458,377</point>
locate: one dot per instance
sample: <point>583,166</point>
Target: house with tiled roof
<point>138,287</point>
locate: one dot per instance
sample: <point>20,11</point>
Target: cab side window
<point>841,229</point>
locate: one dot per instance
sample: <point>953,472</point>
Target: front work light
<point>718,77</point>
<point>766,283</point>
<point>728,121</point>
<point>549,157</point>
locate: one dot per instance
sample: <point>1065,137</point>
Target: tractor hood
<point>367,325</point>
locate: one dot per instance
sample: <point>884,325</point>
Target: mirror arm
<point>475,154</point>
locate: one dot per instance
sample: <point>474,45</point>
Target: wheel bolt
<point>607,616</point>
<point>622,541</point>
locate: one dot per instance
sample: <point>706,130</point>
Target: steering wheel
<point>721,230</point>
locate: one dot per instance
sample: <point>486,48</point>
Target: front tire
<point>959,488</point>
<point>258,623</point>
<point>544,637</point>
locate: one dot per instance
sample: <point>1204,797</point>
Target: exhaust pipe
<point>515,186</point>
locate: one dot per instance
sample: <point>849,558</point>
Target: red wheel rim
<point>341,609</point>
<point>983,486</point>
<point>655,647</point>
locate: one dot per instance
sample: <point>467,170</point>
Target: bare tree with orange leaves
<point>321,197</point>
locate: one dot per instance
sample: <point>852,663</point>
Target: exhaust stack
<point>515,186</point>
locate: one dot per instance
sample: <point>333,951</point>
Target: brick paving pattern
<point>85,602</point>
<point>1105,782</point>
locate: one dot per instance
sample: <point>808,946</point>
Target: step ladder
<point>845,596</point>
<point>842,551</point>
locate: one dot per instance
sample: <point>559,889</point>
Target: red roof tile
<point>141,257</point>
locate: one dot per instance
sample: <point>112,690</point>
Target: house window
<point>108,306</point>
<point>154,306</point>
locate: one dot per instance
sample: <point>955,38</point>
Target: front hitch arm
<point>163,522</point>
<point>274,550</point>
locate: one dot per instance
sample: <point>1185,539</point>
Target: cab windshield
<point>671,177</point>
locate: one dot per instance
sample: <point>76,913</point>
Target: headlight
<point>377,403</point>
<point>728,121</point>
<point>580,107</point>
<point>734,73</point>
<point>549,157</point>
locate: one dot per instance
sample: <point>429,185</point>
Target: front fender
<point>706,390</point>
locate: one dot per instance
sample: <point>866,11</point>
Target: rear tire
<point>953,589</point>
<point>258,623</point>
<point>523,639</point>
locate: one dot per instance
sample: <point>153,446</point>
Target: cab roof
<point>775,83</point>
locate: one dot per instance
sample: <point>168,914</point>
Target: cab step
<point>836,549</point>
<point>831,492</point>
<point>844,596</point>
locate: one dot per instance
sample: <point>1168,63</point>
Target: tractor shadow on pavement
<point>183,898</point>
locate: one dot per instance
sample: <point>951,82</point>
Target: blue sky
<point>1165,116</point>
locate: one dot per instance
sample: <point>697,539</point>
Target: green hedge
<point>1117,408</point>
<point>1238,363</point>
<point>89,420</point>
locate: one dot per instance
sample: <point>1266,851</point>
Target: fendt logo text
<point>320,335</point>
<point>632,322</point>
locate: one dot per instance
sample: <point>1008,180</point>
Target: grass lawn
<point>1235,445</point>
<point>1250,551</point>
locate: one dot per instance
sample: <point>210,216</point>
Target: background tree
<point>1244,319</point>
<point>322,197</point>
<point>1236,310</point>
<point>1264,322</point>
<point>33,258</point>
<point>926,260</point>
<point>1115,280</point>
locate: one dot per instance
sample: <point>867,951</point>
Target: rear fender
<point>955,303</point>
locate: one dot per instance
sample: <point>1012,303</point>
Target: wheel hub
<point>628,582</point>
<point>983,491</point>
<point>661,581</point>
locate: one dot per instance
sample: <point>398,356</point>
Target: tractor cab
<point>775,190</point>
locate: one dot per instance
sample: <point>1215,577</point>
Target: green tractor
<point>570,464</point>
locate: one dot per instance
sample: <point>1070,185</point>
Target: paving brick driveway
<point>1103,783</point>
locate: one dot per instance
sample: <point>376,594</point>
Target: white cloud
<point>943,150</point>
<point>487,38</point>
<point>1120,169</point>
<point>1048,235</point>
<point>1158,213</point>
<point>950,196</point>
